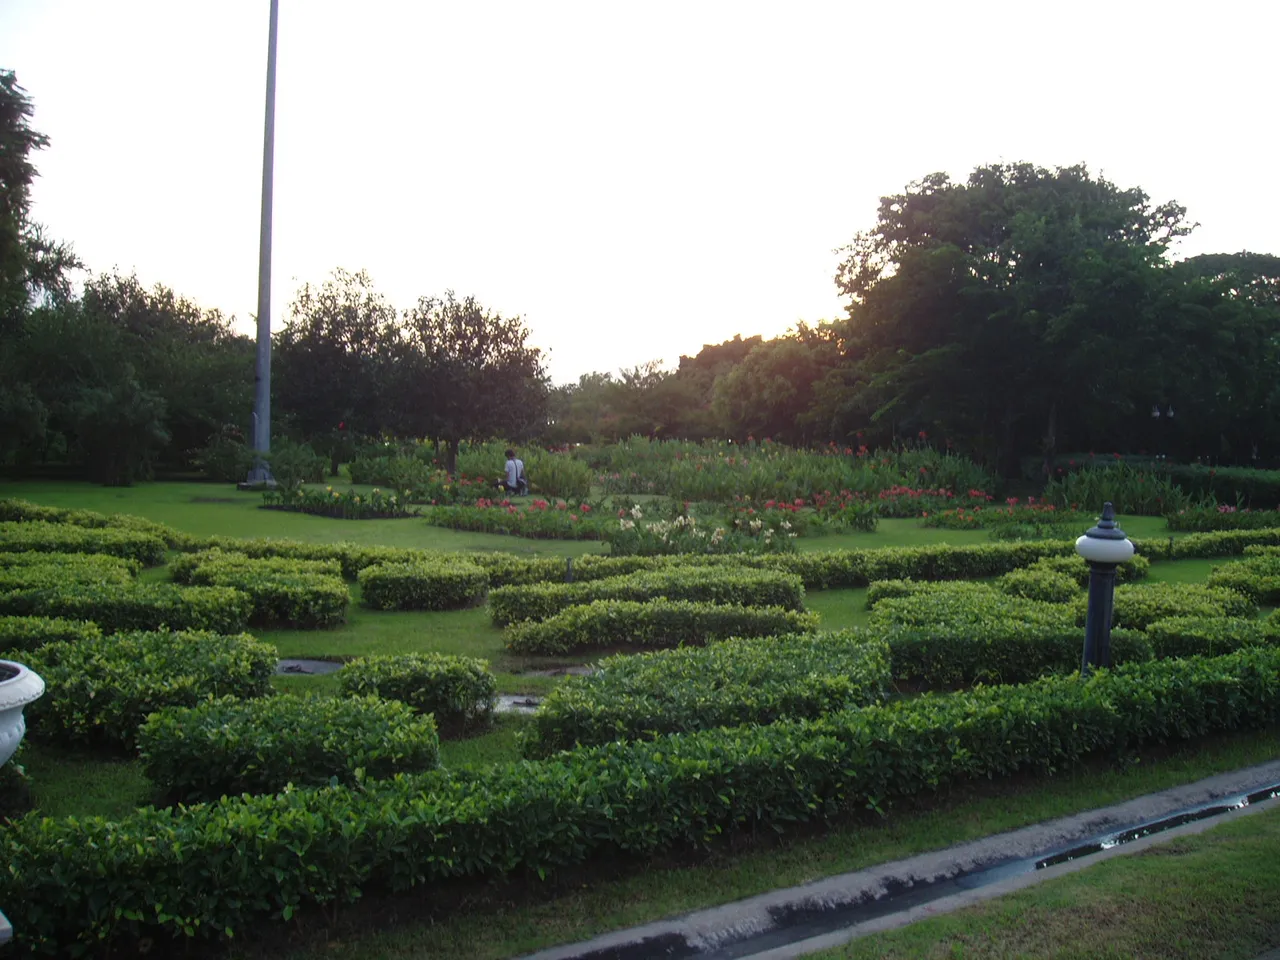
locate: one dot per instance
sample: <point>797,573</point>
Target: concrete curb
<point>765,926</point>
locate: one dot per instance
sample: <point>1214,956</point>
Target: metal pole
<point>261,472</point>
<point>1097,624</point>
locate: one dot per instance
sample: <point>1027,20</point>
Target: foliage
<point>1037,583</point>
<point>1131,489</point>
<point>1209,636</point>
<point>1138,606</point>
<point>538,519</point>
<point>226,458</point>
<point>753,588</point>
<point>657,622</point>
<point>290,593</point>
<point>1256,577</point>
<point>1223,543</point>
<point>457,691</point>
<point>19,510</point>
<point>98,691</point>
<point>19,634</point>
<point>332,503</point>
<point>42,537</point>
<point>136,606</point>
<point>230,746</point>
<point>1204,517</point>
<point>725,684</point>
<point>423,585</point>
<point>65,570</point>
<point>88,883</point>
<point>1247,486</point>
<point>120,427</point>
<point>293,464</point>
<point>183,569</point>
<point>634,535</point>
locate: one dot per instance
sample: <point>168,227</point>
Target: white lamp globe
<point>1106,542</point>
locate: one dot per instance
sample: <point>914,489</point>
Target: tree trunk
<point>1051,442</point>
<point>451,457</point>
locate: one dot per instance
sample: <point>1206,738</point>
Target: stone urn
<point>18,687</point>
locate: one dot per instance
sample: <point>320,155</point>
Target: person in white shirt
<point>516,482</point>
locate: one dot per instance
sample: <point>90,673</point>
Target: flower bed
<point>338,505</point>
<point>658,622</point>
<point>636,535</point>
<point>539,519</point>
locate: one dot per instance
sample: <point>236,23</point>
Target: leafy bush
<point>1037,583</point>
<point>100,690</point>
<point>293,464</point>
<point>137,606</point>
<point>723,684</point>
<point>1257,577</point>
<point>753,588</point>
<point>13,509</point>
<point>1202,518</point>
<point>1224,543</point>
<point>1209,636</point>
<point>997,651</point>
<point>87,883</point>
<point>39,537</point>
<point>226,458</point>
<point>100,561</point>
<point>634,535</point>
<point>19,634</point>
<point>1075,566</point>
<point>183,569</point>
<point>423,585</point>
<point>352,505</point>
<point>1141,605</point>
<point>1259,489</point>
<point>1133,489</point>
<point>83,569</point>
<point>231,746</point>
<point>458,691</point>
<point>297,593</point>
<point>652,623</point>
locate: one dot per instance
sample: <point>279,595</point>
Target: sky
<point>634,180</point>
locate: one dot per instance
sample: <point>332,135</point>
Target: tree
<point>468,374</point>
<point>1011,311</point>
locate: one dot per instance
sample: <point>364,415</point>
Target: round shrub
<point>459,691</point>
<point>230,746</point>
<point>1039,584</point>
<point>423,585</point>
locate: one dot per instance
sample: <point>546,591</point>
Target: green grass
<point>1207,895</point>
<point>82,783</point>
<point>489,922</point>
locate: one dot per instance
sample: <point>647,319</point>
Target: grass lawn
<point>1207,895</point>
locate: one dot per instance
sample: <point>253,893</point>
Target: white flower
<point>636,512</point>
<point>627,524</point>
<point>755,526</point>
<point>785,524</point>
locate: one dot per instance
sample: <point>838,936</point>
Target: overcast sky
<point>635,180</point>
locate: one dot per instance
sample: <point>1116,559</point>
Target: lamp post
<point>1105,547</point>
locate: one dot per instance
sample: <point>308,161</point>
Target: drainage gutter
<point>797,920</point>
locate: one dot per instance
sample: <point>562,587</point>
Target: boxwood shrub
<point>136,606</point>
<point>753,588</point>
<point>40,537</point>
<point>1038,583</point>
<point>184,568</point>
<point>755,680</point>
<point>423,585</point>
<point>230,746</point>
<point>1256,576</point>
<point>89,884</point>
<point>459,691</point>
<point>652,623</point>
<point>103,561</point>
<point>23,510</point>
<point>1209,636</point>
<point>1138,606</point>
<point>85,569</point>
<point>19,634</point>
<point>98,691</point>
<point>961,606</point>
<point>289,592</point>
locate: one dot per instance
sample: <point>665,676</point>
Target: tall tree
<point>467,373</point>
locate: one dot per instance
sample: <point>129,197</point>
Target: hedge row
<point>37,537</point>
<point>231,746</point>
<point>83,569</point>
<point>1223,543</point>
<point>1257,577</point>
<point>423,585</point>
<point>1209,636</point>
<point>458,691</point>
<point>99,690</point>
<point>183,569</point>
<point>9,561</point>
<point>137,606</point>
<point>652,623</point>
<point>303,594</point>
<point>753,588</point>
<point>352,557</point>
<point>724,684</point>
<point>19,634</point>
<point>1138,607</point>
<point>24,510</point>
<point>208,871</point>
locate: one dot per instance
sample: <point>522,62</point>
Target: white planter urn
<point>18,687</point>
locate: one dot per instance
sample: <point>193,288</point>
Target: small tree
<point>467,374</point>
<point>120,427</point>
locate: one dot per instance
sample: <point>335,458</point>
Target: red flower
<point>586,508</point>
<point>573,516</point>
<point>342,424</point>
<point>922,435</point>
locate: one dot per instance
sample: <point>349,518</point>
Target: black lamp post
<point>1105,547</point>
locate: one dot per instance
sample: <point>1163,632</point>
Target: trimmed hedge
<point>1223,543</point>
<point>100,690</point>
<point>9,561</point>
<point>724,684</point>
<point>231,746</point>
<point>458,691</point>
<point>89,883</point>
<point>184,569</point>
<point>37,537</point>
<point>25,511</point>
<point>353,557</point>
<point>304,594</point>
<point>753,588</point>
<point>423,585</point>
<point>137,606</point>
<point>1139,606</point>
<point>960,606</point>
<point>1037,583</point>
<point>998,651</point>
<point>652,623</point>
<point>1138,568</point>
<point>1257,577</point>
<point>84,569</point>
<point>19,634</point>
<point>1209,636</point>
